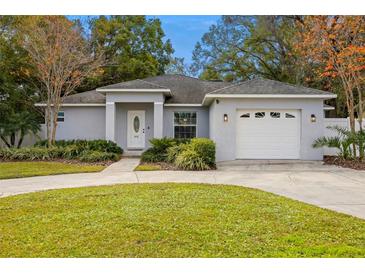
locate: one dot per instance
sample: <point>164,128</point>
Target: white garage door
<point>268,134</point>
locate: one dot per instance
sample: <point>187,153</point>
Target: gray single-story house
<point>254,119</point>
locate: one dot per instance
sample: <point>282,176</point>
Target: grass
<point>173,220</point>
<point>147,167</point>
<point>27,169</point>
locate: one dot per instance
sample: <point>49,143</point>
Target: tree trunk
<point>359,117</point>
<point>350,107</point>
<point>54,125</point>
<point>5,141</point>
<point>48,123</point>
<point>20,141</point>
<point>12,139</point>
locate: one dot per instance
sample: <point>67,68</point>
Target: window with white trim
<point>185,125</point>
<point>60,116</point>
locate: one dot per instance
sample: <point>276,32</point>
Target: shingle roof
<point>266,86</point>
<point>87,97</point>
<point>184,89</point>
<point>189,90</point>
<point>134,84</point>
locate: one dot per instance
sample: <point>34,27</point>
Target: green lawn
<point>27,169</point>
<point>173,220</point>
<point>147,167</point>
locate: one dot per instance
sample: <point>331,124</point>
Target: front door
<point>136,129</point>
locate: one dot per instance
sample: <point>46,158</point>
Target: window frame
<point>61,117</point>
<point>257,113</point>
<point>290,115</point>
<point>186,125</point>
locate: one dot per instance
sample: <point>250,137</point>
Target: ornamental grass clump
<point>194,154</point>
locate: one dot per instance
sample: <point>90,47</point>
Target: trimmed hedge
<point>194,154</point>
<point>86,151</point>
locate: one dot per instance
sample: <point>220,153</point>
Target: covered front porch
<point>132,124</point>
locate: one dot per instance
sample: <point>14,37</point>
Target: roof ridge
<point>151,83</point>
<point>271,80</point>
<point>233,85</point>
<point>195,78</point>
<point>295,85</point>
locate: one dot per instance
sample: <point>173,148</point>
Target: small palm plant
<point>342,142</point>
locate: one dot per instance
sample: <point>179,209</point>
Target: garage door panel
<point>268,137</point>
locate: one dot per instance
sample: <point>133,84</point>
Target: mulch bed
<point>65,161</point>
<point>334,160</point>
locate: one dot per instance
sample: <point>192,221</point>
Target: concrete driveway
<point>331,187</point>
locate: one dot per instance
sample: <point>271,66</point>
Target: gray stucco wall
<point>224,133</point>
<point>202,120</point>
<point>82,123</point>
<point>121,122</point>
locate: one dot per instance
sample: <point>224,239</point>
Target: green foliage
<point>150,156</point>
<point>205,148</point>
<point>17,87</point>
<point>343,142</point>
<point>83,150</point>
<point>29,153</point>
<point>241,47</point>
<point>194,154</point>
<point>174,151</point>
<point>97,156</point>
<point>158,151</point>
<point>79,145</point>
<point>134,48</point>
<point>190,159</point>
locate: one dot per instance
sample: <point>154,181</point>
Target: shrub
<point>158,151</point>
<point>150,156</point>
<point>205,148</point>
<point>96,145</point>
<point>344,142</point>
<point>174,151</point>
<point>97,156</point>
<point>190,159</point>
<point>70,151</point>
<point>27,153</point>
<point>201,151</point>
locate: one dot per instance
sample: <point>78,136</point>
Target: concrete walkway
<point>331,187</point>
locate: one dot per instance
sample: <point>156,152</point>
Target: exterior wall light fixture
<point>225,117</point>
<point>313,118</point>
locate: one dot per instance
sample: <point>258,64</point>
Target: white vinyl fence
<point>341,122</point>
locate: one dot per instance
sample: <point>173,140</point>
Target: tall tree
<point>134,48</point>
<point>241,47</point>
<point>62,59</point>
<point>177,66</point>
<point>335,46</point>
<point>18,90</point>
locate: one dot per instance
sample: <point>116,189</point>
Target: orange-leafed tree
<point>62,59</point>
<point>335,46</point>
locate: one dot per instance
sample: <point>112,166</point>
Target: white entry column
<point>158,120</point>
<point>110,121</point>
